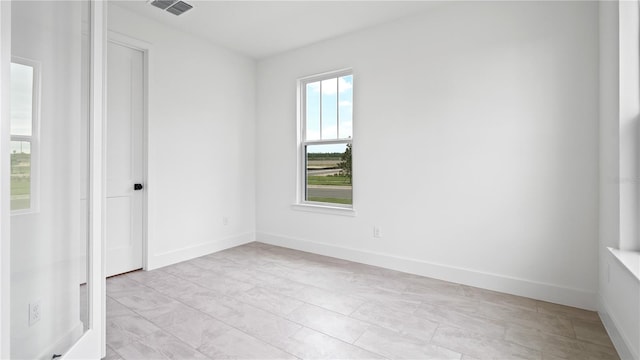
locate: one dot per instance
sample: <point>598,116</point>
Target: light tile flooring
<point>258,301</point>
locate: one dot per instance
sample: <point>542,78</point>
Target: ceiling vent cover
<point>179,7</point>
<point>172,6</point>
<point>162,4</point>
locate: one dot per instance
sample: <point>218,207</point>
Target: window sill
<point>323,209</point>
<point>629,259</point>
<point>23,212</point>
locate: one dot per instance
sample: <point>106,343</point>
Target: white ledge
<point>630,260</point>
<point>323,209</point>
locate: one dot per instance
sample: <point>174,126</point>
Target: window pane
<point>313,111</point>
<point>330,109</point>
<point>329,174</point>
<point>345,96</point>
<point>20,175</point>
<point>21,99</point>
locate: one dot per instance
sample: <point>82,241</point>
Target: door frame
<point>144,47</point>
<point>92,345</point>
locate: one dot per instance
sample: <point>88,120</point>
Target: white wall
<point>475,147</point>
<point>5,234</point>
<point>609,128</point>
<point>201,141</point>
<point>44,243</point>
<point>629,129</point>
<point>619,290</point>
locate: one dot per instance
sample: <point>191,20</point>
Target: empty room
<point>190,179</point>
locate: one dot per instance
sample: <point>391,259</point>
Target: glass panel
<point>20,175</point>
<point>313,111</point>
<point>330,109</point>
<point>329,174</point>
<point>49,243</point>
<point>21,99</point>
<point>345,105</point>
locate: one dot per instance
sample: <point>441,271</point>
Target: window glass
<point>313,111</point>
<point>328,173</point>
<point>345,106</point>
<point>20,175</point>
<point>330,109</point>
<point>21,99</point>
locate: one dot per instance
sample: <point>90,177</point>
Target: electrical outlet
<point>35,312</point>
<point>225,221</point>
<point>377,233</point>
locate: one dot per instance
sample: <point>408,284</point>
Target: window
<point>326,123</point>
<point>24,111</point>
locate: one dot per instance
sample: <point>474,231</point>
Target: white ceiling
<point>264,28</point>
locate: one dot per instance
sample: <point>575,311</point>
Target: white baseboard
<point>620,341</point>
<point>522,287</point>
<point>63,343</point>
<point>191,252</point>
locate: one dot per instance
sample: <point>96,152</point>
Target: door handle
<point>137,186</point>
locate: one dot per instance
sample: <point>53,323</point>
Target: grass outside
<point>20,204</point>
<point>20,174</point>
<point>20,193</point>
<point>328,180</point>
<point>323,164</point>
<point>20,187</point>
<point>20,181</point>
<point>324,156</point>
<point>331,200</point>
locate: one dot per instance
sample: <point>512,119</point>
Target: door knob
<point>137,186</point>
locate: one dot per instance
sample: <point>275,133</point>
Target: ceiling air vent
<point>176,7</point>
<point>179,7</point>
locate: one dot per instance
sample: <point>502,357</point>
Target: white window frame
<point>34,138</point>
<point>302,143</point>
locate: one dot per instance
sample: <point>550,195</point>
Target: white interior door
<point>125,96</point>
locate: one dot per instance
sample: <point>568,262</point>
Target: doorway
<point>125,158</point>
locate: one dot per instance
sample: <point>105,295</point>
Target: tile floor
<point>259,301</point>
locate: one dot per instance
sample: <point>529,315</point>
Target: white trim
<point>92,345</point>
<point>146,48</point>
<point>321,208</point>
<point>128,41</point>
<point>620,342</point>
<point>5,202</point>
<point>325,75</point>
<point>63,343</point>
<point>98,171</point>
<point>328,142</point>
<point>630,260</point>
<point>193,251</point>
<point>497,282</point>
